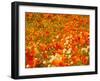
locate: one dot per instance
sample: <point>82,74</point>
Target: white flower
<point>44,62</point>
<point>45,51</point>
<point>27,65</point>
<point>57,36</point>
<point>69,50</point>
<point>52,57</point>
<point>66,42</point>
<point>64,50</point>
<point>49,65</point>
<point>71,62</point>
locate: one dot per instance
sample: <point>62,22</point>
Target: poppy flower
<point>75,58</point>
<point>85,59</point>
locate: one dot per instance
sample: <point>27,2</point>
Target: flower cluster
<point>56,40</point>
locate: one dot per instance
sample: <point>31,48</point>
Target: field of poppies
<point>56,40</point>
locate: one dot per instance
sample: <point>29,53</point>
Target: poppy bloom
<point>75,58</point>
<point>85,59</point>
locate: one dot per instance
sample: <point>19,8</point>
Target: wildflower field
<point>56,40</point>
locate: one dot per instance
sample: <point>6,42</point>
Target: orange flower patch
<point>56,40</point>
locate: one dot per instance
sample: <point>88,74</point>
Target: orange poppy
<point>75,58</point>
<point>85,59</point>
